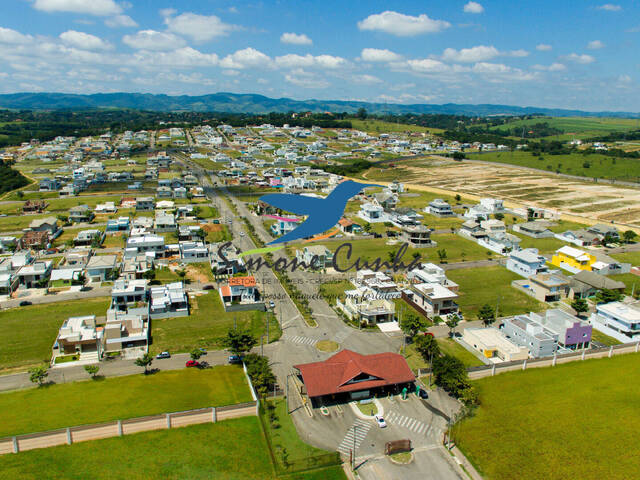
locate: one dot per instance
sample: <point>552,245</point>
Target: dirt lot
<point>584,201</point>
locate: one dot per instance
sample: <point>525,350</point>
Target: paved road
<point>58,297</point>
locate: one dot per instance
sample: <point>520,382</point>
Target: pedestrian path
<point>303,340</point>
<point>416,426</point>
<point>361,428</point>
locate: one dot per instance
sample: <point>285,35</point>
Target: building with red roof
<point>348,375</point>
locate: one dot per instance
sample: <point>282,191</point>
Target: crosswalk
<point>303,340</point>
<point>413,424</point>
<point>361,429</point>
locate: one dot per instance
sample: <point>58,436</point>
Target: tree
<point>411,324</point>
<point>195,354</point>
<point>608,296</point>
<point>608,239</point>
<point>498,216</point>
<point>367,227</point>
<point>427,346</point>
<point>580,305</point>
<point>38,374</point>
<point>92,370</point>
<point>530,214</point>
<point>260,373</point>
<point>442,255</point>
<point>144,361</point>
<point>458,197</point>
<point>629,236</point>
<point>149,274</point>
<point>362,113</point>
<point>238,342</point>
<point>458,156</point>
<point>487,314</point>
<point>450,373</point>
<point>452,322</point>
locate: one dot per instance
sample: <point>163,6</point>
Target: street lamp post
<point>353,458</point>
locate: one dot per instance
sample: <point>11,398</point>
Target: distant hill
<point>252,103</point>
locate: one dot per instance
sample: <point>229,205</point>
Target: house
<point>35,274</point>
<point>433,299</point>
<point>618,320</point>
<point>34,206</point>
<point>76,258</point>
<point>79,335</point>
<point>193,251</point>
<point>282,227</point>
<point>417,236</point>
<point>8,283</point>
<point>431,273</point>
<point>493,343</point>
<point>129,296</point>
<point>168,300</point>
<point>586,284</point>
<point>604,231</point>
<point>386,200</point>
<point>439,208</point>
<point>472,229</point>
<point>374,285</point>
<point>99,267</point>
<point>526,262</point>
<point>315,256</point>
<point>572,259</point>
<point>135,267</point>
<point>242,291</point>
<point>49,185</point>
<point>80,213</point>
<point>145,204</point>
<point>145,244</point>
<point>545,287</point>
<point>87,237</point>
<point>190,232</point>
<point>367,310</point>
<point>232,262</point>
<point>501,242</point>
<point>65,277</point>
<point>348,376</point>
<point>349,227</point>
<point>605,265</point>
<point>493,226</point>
<point>49,224</point>
<point>580,238</point>
<point>477,212</point>
<point>572,333</point>
<point>34,240</point>
<point>533,229</point>
<point>107,207</point>
<point>372,213</point>
<point>164,192</point>
<point>126,333</point>
<point>492,205</point>
<point>121,224</point>
<point>523,331</point>
<point>165,222</point>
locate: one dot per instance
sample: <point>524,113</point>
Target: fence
<point>116,428</point>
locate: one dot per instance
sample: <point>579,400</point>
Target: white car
<point>380,421</point>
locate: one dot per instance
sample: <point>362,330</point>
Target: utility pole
<point>431,367</point>
<point>353,466</point>
<point>268,322</point>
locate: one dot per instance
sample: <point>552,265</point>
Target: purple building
<point>572,332</point>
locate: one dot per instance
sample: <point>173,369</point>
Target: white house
<point>618,320</point>
<point>527,262</point>
<point>372,213</point>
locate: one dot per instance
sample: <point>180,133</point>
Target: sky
<point>555,54</point>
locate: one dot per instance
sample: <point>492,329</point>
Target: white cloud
<point>365,79</point>
<point>470,55</point>
<point>295,39</point>
<point>153,40</point>
<point>595,45</point>
<point>473,7</point>
<point>543,47</point>
<point>624,79</point>
<point>182,57</point>
<point>583,59</point>
<point>13,37</point>
<point>402,25</point>
<point>554,67</point>
<point>200,28</point>
<point>120,21</point>
<point>518,53</point>
<point>498,72</point>
<point>610,7</point>
<point>100,8</point>
<point>292,60</point>
<point>379,55</point>
<point>304,79</point>
<point>428,65</point>
<point>84,41</point>
<point>248,57</point>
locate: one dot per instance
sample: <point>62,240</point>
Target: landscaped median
<point>106,399</point>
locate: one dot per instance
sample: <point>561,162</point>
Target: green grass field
<point>578,127</point>
<point>451,347</point>
<point>491,285</point>
<point>199,452</point>
<point>544,245</point>
<point>105,399</point>
<point>27,333</point>
<point>600,166</point>
<point>379,126</point>
<point>205,326</point>
<point>628,257</point>
<point>576,420</point>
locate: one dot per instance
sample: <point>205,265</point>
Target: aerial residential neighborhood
<point>373,261</point>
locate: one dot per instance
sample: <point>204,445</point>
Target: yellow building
<point>573,259</point>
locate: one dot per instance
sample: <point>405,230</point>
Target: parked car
<point>24,303</point>
<point>192,363</point>
<point>380,421</point>
<point>163,355</point>
<point>209,286</point>
<point>272,304</point>
<point>235,359</point>
<point>242,234</point>
<point>423,394</point>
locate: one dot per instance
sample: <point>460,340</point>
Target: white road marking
<point>361,430</point>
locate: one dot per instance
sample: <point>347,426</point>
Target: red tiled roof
<point>225,290</point>
<point>345,222</point>
<point>332,375</point>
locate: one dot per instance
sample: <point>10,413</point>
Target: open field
<point>205,326</point>
<point>379,126</point>
<point>27,333</point>
<point>62,405</point>
<point>577,127</point>
<point>599,165</point>
<point>629,257</point>
<point>491,285</point>
<point>557,423</point>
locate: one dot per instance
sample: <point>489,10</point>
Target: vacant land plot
<point>491,285</point>
<point>577,127</point>
<point>56,406</point>
<point>451,347</point>
<point>379,126</point>
<point>628,257</point>
<point>544,245</point>
<point>27,333</point>
<point>205,326</point>
<point>552,423</point>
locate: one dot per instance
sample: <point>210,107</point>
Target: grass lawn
<point>554,423</point>
<point>628,257</point>
<point>629,279</point>
<point>207,455</point>
<point>331,291</point>
<point>413,358</point>
<point>205,326</point>
<point>452,347</point>
<point>379,126</point>
<point>598,336</point>
<point>115,240</point>
<point>165,275</point>
<point>27,333</point>
<point>94,401</point>
<point>544,245</point>
<point>491,285</point>
<point>564,225</point>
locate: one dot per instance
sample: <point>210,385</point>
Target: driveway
<point>431,463</point>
